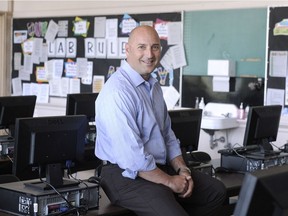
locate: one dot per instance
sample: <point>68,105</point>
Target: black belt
<point>107,163</point>
<point>164,167</point>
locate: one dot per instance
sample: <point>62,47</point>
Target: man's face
<point>143,51</point>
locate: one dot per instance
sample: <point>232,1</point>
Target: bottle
<point>201,104</point>
<point>246,111</point>
<point>197,103</point>
<point>241,112</point>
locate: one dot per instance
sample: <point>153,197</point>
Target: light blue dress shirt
<point>133,125</point>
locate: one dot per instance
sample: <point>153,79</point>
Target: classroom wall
<point>42,8</point>
<point>50,8</point>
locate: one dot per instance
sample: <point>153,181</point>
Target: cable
<point>81,210</point>
<point>11,159</point>
<point>251,164</point>
<point>279,148</point>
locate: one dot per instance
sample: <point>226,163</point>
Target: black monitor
<point>262,127</point>
<point>81,104</point>
<point>264,192</point>
<point>186,124</point>
<point>84,104</point>
<point>12,107</point>
<point>48,144</point>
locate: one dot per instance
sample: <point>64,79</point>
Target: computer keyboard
<point>239,150</point>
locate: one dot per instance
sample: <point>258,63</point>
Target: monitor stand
<point>42,185</point>
<point>54,177</point>
<point>265,150</point>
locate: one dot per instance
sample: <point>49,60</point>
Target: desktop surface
<point>232,181</point>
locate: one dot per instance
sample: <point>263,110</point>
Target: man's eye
<point>141,47</point>
<point>156,48</point>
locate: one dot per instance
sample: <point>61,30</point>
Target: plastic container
<point>202,104</point>
<point>197,103</point>
<point>241,112</point>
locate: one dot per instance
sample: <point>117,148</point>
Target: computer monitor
<point>84,104</point>
<point>262,127</point>
<point>48,144</point>
<point>12,107</point>
<point>81,104</point>
<point>186,124</point>
<point>264,192</point>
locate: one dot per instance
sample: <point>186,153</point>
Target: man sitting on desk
<point>146,172</point>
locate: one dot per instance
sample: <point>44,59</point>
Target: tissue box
<point>221,68</point>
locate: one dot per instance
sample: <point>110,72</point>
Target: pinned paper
<point>87,78</point>
<point>81,27</point>
<point>99,27</point>
<point>161,28</point>
<point>27,46</point>
<point>63,28</point>
<point>20,36</point>
<point>127,24</point>
<point>74,86</point>
<point>98,83</point>
<point>171,96</point>
<point>174,33</point>
<point>71,69</point>
<point>51,31</point>
<point>41,74</point>
<point>162,74</point>
<point>111,28</point>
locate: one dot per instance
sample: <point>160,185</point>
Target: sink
<point>218,123</point>
<point>219,116</point>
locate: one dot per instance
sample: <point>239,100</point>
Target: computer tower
<point>250,163</point>
<point>18,199</point>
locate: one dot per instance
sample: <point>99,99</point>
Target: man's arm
<point>181,183</point>
<point>179,165</point>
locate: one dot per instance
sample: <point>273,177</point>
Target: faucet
<point>227,115</point>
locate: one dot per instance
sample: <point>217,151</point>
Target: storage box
<point>221,68</point>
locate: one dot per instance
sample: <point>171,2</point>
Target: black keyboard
<point>265,153</point>
<point>239,150</point>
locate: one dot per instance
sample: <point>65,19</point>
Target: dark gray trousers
<point>149,199</point>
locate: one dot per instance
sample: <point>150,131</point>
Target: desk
<point>232,181</point>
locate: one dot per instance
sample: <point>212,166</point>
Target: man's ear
<point>127,48</point>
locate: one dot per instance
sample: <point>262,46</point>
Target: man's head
<point>143,50</point>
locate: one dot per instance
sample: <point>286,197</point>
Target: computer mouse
<point>222,170</point>
<point>94,179</point>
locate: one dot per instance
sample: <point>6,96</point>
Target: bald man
<point>145,171</point>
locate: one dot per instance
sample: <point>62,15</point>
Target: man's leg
<point>207,197</point>
<point>141,196</point>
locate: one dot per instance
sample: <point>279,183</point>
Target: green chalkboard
<point>234,34</point>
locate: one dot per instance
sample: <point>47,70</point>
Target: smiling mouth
<point>148,62</point>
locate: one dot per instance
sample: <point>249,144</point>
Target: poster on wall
<point>60,55</point>
<point>277,66</point>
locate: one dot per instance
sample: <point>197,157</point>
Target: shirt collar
<point>135,77</point>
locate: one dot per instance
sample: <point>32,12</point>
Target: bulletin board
<point>233,34</point>
<point>49,47</point>
<point>277,49</point>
